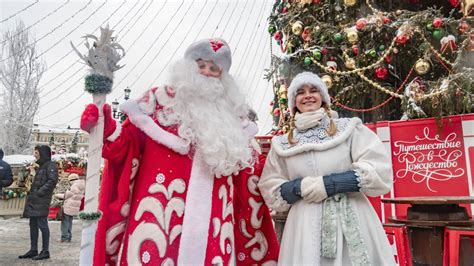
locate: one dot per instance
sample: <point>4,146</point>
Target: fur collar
<point>139,117</point>
<point>315,138</point>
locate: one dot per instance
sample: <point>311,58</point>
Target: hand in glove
<point>316,189</point>
<point>90,117</point>
<point>291,191</point>
<point>250,128</point>
<point>312,189</point>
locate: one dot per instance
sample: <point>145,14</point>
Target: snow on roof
<point>57,157</point>
<point>18,159</point>
<point>45,128</point>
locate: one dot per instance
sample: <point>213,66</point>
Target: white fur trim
<point>203,49</point>
<point>197,214</point>
<point>303,79</point>
<point>162,97</point>
<point>316,146</point>
<point>147,103</point>
<point>116,134</point>
<point>151,129</point>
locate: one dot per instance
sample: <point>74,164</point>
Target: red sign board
<point>428,161</point>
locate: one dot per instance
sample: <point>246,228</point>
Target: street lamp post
<point>115,104</point>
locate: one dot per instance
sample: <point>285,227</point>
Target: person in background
<point>71,205</point>
<point>322,172</point>
<point>38,201</point>
<point>6,176</point>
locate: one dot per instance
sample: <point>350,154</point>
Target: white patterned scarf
<point>335,206</point>
<point>307,120</point>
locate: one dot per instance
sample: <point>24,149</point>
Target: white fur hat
<point>303,79</point>
<point>216,50</point>
<point>72,177</point>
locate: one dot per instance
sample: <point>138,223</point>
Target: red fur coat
<point>162,206</point>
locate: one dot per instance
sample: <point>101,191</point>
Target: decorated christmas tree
<point>51,139</point>
<point>74,142</point>
<point>381,60</point>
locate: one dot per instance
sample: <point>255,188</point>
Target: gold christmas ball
<point>422,66</point>
<point>350,63</point>
<point>283,95</point>
<point>350,2</point>
<point>297,27</point>
<point>398,12</point>
<point>327,80</point>
<point>352,36</point>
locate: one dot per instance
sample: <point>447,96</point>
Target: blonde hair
<point>331,130</point>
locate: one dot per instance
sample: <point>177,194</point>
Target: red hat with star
<point>216,50</point>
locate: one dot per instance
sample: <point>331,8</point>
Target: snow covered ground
<point>15,240</point>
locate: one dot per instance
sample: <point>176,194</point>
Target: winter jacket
<point>73,197</point>
<point>6,176</point>
<point>37,203</point>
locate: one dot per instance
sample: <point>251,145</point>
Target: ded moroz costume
<point>176,189</point>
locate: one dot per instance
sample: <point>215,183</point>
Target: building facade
<point>63,138</point>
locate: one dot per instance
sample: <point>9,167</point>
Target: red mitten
<point>109,123</point>
<point>89,117</point>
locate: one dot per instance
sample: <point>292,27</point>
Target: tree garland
<point>90,216</point>
<point>98,84</point>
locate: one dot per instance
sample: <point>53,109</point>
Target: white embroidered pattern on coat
<point>225,230</point>
<point>161,232</point>
<point>145,257</point>
<point>257,253</point>
<point>315,134</point>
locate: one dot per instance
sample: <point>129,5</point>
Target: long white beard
<point>209,113</point>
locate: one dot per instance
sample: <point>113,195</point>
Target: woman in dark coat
<point>37,203</point>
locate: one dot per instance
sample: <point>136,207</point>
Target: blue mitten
<point>291,191</point>
<point>341,183</point>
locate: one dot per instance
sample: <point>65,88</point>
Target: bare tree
<point>20,73</point>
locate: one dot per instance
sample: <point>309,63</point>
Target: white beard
<point>209,112</point>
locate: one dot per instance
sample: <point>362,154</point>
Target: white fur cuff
<point>116,134</point>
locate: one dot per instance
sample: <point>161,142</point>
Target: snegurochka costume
<point>336,173</point>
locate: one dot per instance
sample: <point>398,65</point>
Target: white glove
<point>312,189</point>
<point>250,128</point>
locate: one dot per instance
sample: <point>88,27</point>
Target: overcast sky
<point>153,33</point>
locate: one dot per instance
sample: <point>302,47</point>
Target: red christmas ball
<point>463,27</point>
<point>278,36</point>
<point>324,51</point>
<point>402,39</point>
<point>437,22</point>
<point>388,59</point>
<point>386,20</point>
<point>284,10</point>
<point>360,23</point>
<point>381,72</point>
<point>316,1</point>
<point>276,112</point>
<point>355,49</point>
<point>454,3</point>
